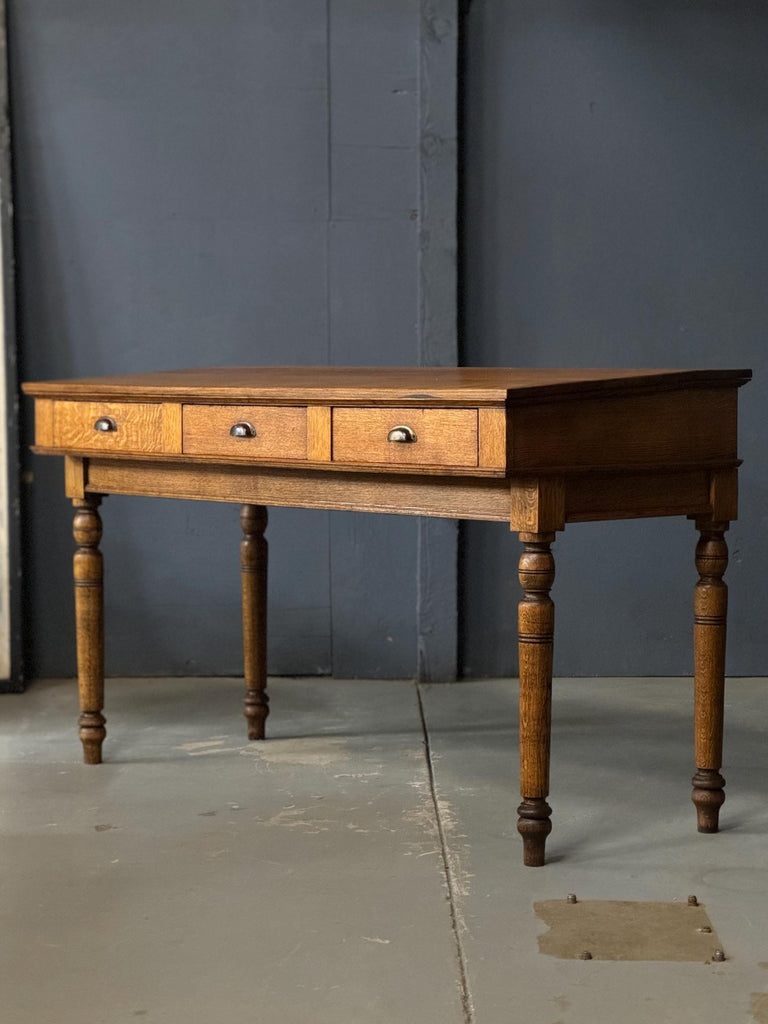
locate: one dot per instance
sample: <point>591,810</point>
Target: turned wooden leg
<point>253,566</point>
<point>89,621</point>
<point>710,614</point>
<point>536,617</point>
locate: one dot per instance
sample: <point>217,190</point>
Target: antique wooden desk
<point>534,448</point>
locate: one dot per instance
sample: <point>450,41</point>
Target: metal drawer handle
<point>242,429</point>
<point>105,424</point>
<point>402,435</point>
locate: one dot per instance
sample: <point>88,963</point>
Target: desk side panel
<point>672,428</point>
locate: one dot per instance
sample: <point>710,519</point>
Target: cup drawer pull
<point>105,424</point>
<point>242,429</point>
<point>402,435</point>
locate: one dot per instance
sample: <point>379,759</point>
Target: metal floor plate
<point>626,930</point>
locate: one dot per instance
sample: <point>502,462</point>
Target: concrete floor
<point>348,872</point>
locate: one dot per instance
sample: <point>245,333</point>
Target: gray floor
<point>348,872</point>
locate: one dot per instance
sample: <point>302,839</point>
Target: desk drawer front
<point>441,437</point>
<point>109,426</point>
<point>261,432</point>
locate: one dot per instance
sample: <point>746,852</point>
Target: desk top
<point>402,385</point>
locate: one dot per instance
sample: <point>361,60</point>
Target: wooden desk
<point>534,448</point>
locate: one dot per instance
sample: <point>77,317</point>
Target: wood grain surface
<point>452,498</point>
<point>709,630</point>
<point>536,632</point>
<point>318,433</point>
<point>444,437</point>
<point>140,426</point>
<point>253,577</point>
<point>686,426</point>
<point>402,385</point>
<point>88,571</point>
<point>492,438</point>
<point>280,432</point>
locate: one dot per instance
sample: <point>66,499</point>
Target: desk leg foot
<point>536,617</point>
<point>534,826</point>
<point>88,574</point>
<point>708,796</point>
<point>710,616</point>
<point>92,735</point>
<point>253,574</point>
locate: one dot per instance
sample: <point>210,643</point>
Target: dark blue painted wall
<point>616,214</point>
<point>229,183</point>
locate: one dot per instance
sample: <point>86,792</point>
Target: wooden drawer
<point>278,432</point>
<point>127,426</point>
<point>443,437</point>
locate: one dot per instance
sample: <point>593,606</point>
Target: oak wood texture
<point>280,432</point>
<point>139,426</point>
<point>538,504</point>
<point>172,427</point>
<point>44,422</point>
<point>492,438</point>
<point>724,494</point>
<point>514,500</point>
<point>318,433</point>
<point>253,575</point>
<point>525,421</point>
<point>428,495</point>
<point>710,614</point>
<point>89,623</point>
<point>536,623</point>
<point>693,426</point>
<point>74,476</point>
<point>443,437</point>
<point>357,385</point>
<point>533,448</point>
<point>325,466</point>
<point>594,496</point>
